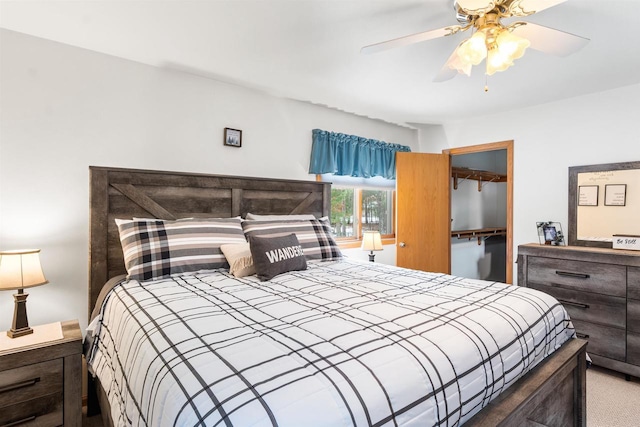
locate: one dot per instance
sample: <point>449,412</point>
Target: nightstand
<point>41,381</point>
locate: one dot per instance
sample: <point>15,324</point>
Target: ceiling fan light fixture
<point>512,45</point>
<point>506,49</point>
<point>497,61</point>
<point>473,50</point>
<point>497,43</point>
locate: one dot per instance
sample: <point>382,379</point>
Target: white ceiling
<point>310,49</point>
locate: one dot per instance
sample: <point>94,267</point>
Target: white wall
<point>592,129</point>
<point>63,109</point>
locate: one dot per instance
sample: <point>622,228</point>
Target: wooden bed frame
<point>553,394</point>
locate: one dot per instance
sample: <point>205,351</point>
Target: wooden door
<point>423,227</point>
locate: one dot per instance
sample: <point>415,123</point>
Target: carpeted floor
<point>90,421</point>
<point>611,400</point>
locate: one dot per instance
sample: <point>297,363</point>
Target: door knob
<point>402,244</point>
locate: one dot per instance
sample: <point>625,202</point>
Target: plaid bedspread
<point>344,343</point>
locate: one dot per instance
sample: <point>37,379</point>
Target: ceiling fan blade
<point>549,40</point>
<point>448,71</point>
<point>413,38</point>
<point>445,74</point>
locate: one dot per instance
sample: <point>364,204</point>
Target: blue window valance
<point>341,154</point>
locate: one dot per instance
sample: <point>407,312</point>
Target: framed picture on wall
<point>615,194</point>
<point>233,137</point>
<point>588,195</point>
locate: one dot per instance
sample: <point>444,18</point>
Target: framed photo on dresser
<point>550,233</point>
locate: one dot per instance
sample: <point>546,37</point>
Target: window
<point>342,212</point>
<point>354,210</point>
<point>361,204</point>
<point>377,211</point>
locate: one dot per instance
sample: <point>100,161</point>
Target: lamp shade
<point>371,241</point>
<point>20,269</point>
<point>473,50</point>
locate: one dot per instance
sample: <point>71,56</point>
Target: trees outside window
<point>354,210</point>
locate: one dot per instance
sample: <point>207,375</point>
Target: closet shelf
<point>460,174</point>
<point>479,233</point>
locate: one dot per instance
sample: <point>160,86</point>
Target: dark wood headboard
<point>127,193</point>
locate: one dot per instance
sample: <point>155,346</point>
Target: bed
<point>338,343</point>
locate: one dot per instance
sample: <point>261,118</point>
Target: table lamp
<point>18,270</point>
<point>371,241</point>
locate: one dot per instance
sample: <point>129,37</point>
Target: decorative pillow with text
<point>276,255</point>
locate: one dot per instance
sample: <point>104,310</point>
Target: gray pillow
<point>314,235</point>
<point>276,255</point>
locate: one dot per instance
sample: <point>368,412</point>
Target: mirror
<point>603,200</point>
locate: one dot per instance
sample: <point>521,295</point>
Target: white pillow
<point>238,256</point>
<point>255,217</point>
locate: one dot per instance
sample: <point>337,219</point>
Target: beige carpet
<point>611,400</point>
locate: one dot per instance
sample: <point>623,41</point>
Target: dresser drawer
<point>30,381</point>
<point>633,348</point>
<point>633,282</point>
<point>43,411</point>
<point>633,315</point>
<point>605,279</point>
<point>594,308</point>
<point>603,340</point>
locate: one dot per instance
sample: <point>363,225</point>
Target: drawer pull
<point>583,336</point>
<point>570,274</point>
<point>575,304</point>
<point>22,421</point>
<point>27,383</point>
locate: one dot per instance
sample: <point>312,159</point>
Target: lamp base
<point>372,257</point>
<point>11,333</point>
<point>20,326</point>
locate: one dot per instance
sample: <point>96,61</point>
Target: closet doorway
<point>424,234</point>
<point>481,198</point>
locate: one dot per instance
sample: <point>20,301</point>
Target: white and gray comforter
<point>344,343</point>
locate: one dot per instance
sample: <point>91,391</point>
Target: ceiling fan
<point>500,44</point>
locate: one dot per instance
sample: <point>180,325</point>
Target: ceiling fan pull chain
<point>486,83</point>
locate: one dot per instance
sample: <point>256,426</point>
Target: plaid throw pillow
<point>157,249</point>
<point>314,235</point>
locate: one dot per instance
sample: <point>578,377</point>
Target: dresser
<point>600,289</point>
<point>41,381</point>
